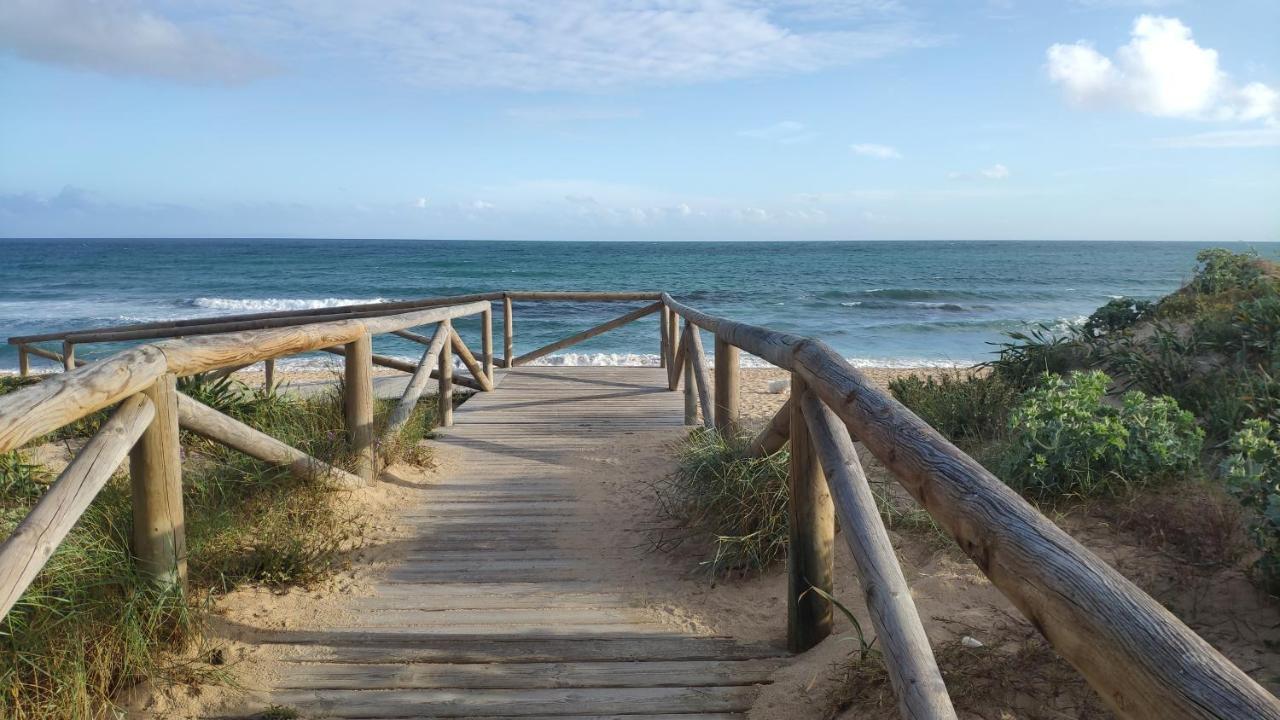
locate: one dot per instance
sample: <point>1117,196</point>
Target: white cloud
<point>755,215</point>
<point>787,132</point>
<point>996,172</point>
<point>420,203</point>
<point>481,205</point>
<point>883,152</point>
<point>119,37</point>
<point>1161,71</point>
<point>570,45</point>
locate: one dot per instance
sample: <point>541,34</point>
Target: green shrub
<point>1162,363</point>
<point>1066,440</point>
<point>968,409</point>
<point>1252,472</point>
<point>1117,315</point>
<point>1249,332</point>
<point>739,502</point>
<point>1039,350</point>
<point>1219,270</point>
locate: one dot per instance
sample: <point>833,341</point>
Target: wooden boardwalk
<point>500,607</point>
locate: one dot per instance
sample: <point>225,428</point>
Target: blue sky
<point>649,119</point>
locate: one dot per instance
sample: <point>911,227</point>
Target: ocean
<point>878,303</point>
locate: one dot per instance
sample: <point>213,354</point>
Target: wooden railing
<point>1142,660</point>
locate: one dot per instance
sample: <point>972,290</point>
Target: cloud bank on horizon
<point>640,119</point>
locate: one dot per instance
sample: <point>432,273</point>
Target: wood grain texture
<point>727,387</point>
<point>209,423</point>
<point>469,360</point>
<point>444,369</point>
<point>486,343</point>
<point>30,412</point>
<point>403,410</point>
<point>913,671</point>
<point>690,391</point>
<point>701,377</point>
<point>27,550</point>
<point>357,405</point>
<point>811,531</point>
<point>155,476</point>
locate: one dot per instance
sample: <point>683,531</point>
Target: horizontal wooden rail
<point>1140,658</point>
<point>586,334</point>
<point>30,412</point>
<point>578,296</point>
<point>26,551</point>
<point>182,327</point>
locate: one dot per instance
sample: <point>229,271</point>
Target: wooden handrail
<point>30,412</point>
<point>26,551</point>
<point>586,334</point>
<point>1140,658</point>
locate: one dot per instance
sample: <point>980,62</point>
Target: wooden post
<point>726,387</point>
<point>446,376</point>
<point>358,404</point>
<point>68,356</point>
<point>690,399</point>
<point>269,374</point>
<point>508,332</point>
<point>810,558</point>
<point>155,475</point>
<point>24,362</point>
<point>664,318</point>
<point>486,344</point>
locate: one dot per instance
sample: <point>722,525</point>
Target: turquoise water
<point>879,303</point>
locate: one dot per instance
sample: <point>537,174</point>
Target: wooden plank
<point>913,671</point>
<point>696,673</point>
<point>514,703</point>
<point>26,551</point>
<point>586,334</point>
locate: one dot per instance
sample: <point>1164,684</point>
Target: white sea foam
<point>272,304</point>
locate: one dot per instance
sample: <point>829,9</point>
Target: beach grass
<point>89,628</point>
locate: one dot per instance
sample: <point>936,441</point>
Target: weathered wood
<point>27,550</point>
<point>413,391</point>
<point>415,337</point>
<point>486,344</point>
<point>690,394</point>
<point>473,365</point>
<point>68,355</point>
<point>51,355</point>
<point>727,387</point>
<point>269,374</point>
<point>774,435</point>
<point>811,531</point>
<point>678,355</point>
<point>24,362</point>
<point>445,371</point>
<point>204,326</point>
<point>408,367</point>
<point>664,315</point>
<point>29,412</point>
<point>155,475</point>
<point>189,356</point>
<point>508,332</point>
<point>357,403</point>
<point>702,380</point>
<point>577,296</point>
<point>207,422</point>
<point>913,671</point>
<point>1143,661</point>
<point>585,334</point>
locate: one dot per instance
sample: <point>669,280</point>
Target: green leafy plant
<point>1066,440</point>
<point>1117,315</point>
<point>1219,270</point>
<point>1028,355</point>
<point>1252,473</point>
